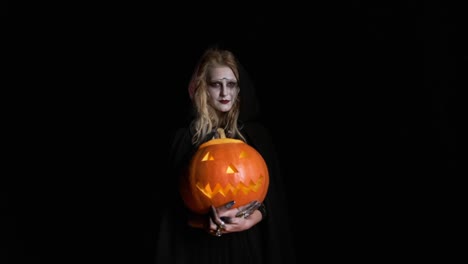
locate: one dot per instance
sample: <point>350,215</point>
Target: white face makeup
<point>222,88</point>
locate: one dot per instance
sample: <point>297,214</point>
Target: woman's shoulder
<point>255,128</point>
<point>182,128</point>
<point>257,133</point>
<point>181,132</point>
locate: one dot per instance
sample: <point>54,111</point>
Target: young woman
<point>223,96</point>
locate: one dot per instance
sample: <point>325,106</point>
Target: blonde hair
<point>207,118</point>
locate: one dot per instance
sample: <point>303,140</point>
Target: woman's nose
<point>224,88</point>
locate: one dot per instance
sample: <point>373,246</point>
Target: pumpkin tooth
<point>245,188</point>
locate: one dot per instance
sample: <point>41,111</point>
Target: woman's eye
<point>215,84</point>
<point>232,84</point>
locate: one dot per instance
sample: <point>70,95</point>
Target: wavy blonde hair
<point>207,118</point>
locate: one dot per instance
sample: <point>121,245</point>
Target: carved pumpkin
<point>223,170</point>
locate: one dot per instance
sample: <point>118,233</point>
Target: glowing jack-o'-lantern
<point>224,170</point>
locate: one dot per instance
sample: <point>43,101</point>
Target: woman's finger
<point>216,219</point>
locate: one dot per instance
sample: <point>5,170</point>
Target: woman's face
<point>222,88</point>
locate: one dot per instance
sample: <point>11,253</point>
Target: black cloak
<point>270,241</point>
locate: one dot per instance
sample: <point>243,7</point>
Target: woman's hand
<point>225,219</point>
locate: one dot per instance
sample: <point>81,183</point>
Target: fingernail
<point>230,204</point>
<point>226,219</point>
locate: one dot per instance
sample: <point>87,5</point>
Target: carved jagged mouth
<point>241,187</point>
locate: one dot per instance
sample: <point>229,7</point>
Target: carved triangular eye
<point>207,156</point>
<point>243,154</point>
<point>231,169</point>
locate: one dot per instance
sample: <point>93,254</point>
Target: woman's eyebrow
<point>230,80</point>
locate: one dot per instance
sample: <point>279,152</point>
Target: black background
<point>360,99</point>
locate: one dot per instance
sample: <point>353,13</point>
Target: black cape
<point>270,241</point>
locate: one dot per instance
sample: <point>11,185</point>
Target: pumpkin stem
<point>221,133</point>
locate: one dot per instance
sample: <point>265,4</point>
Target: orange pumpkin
<point>223,170</point>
